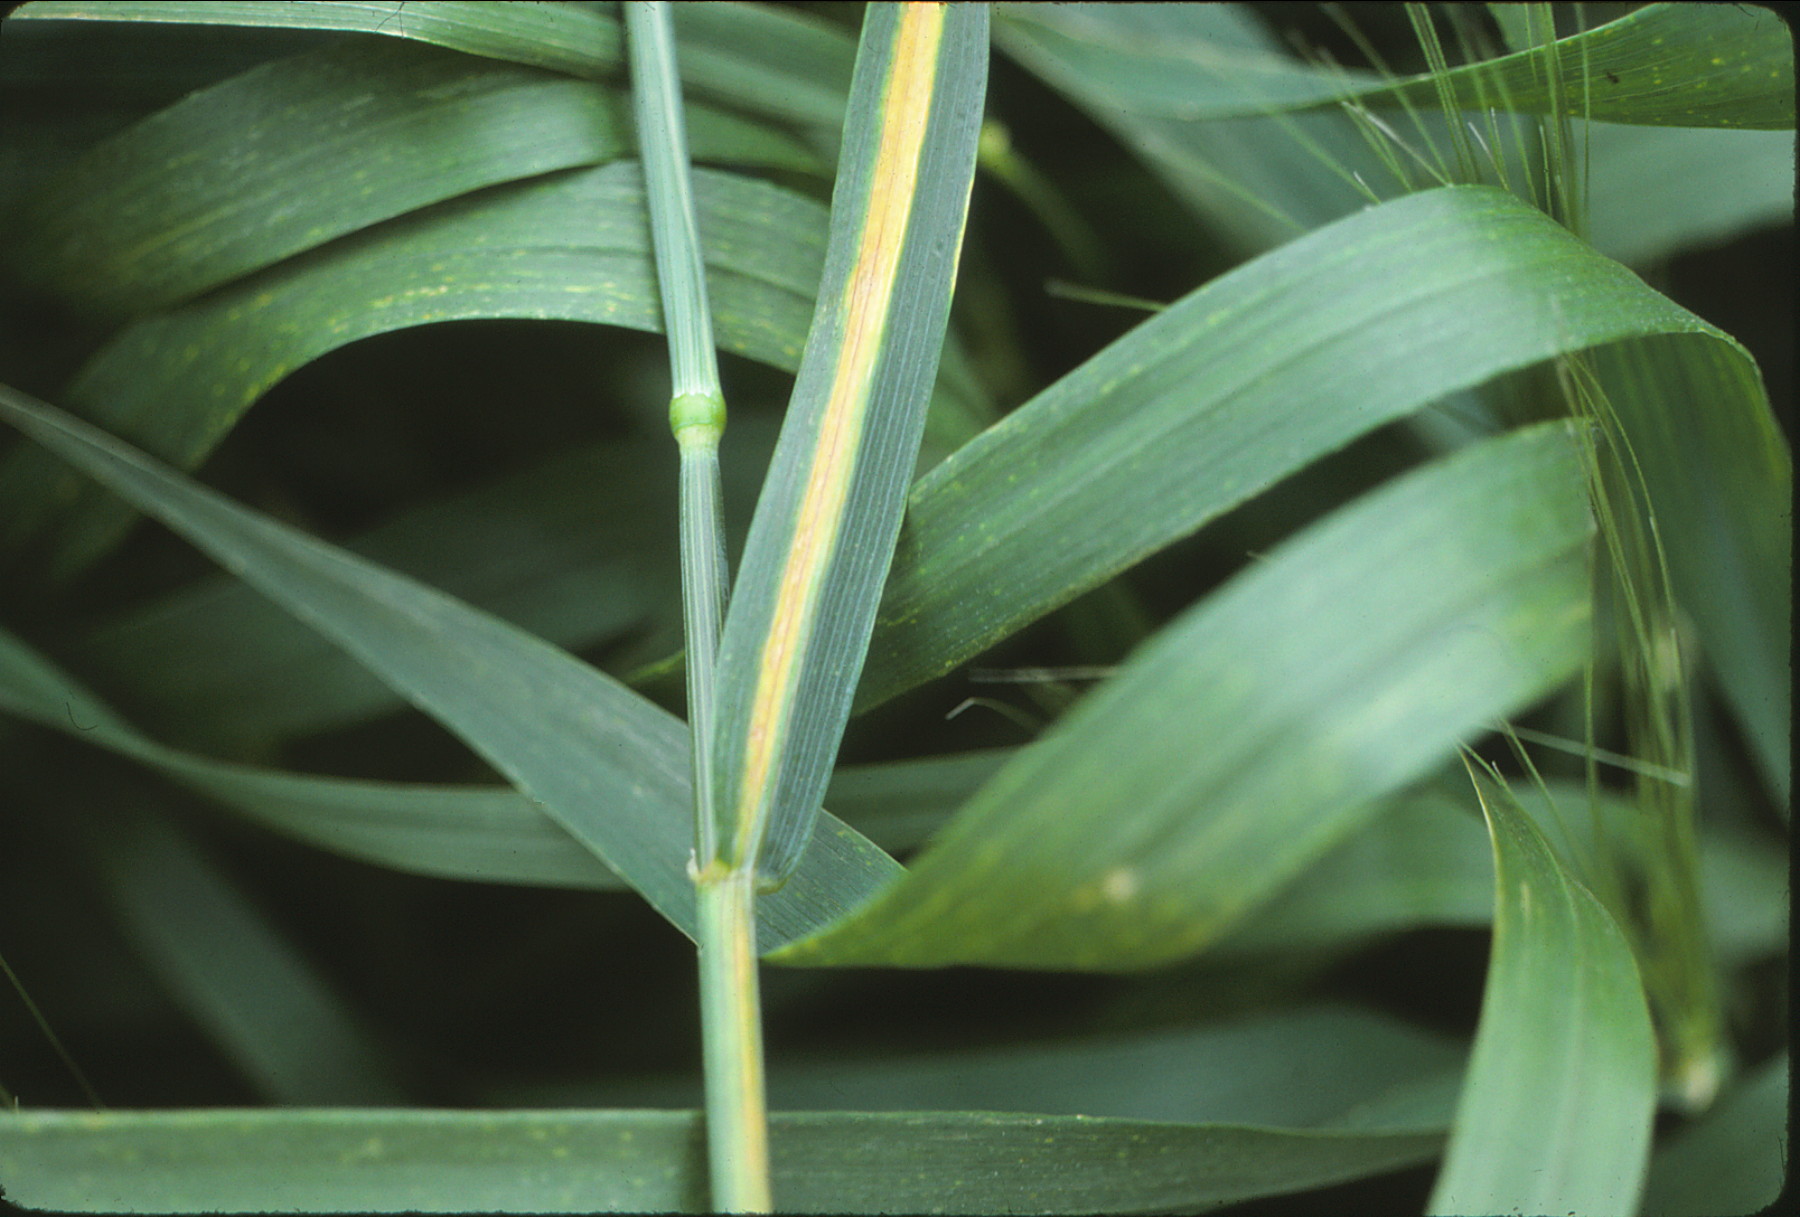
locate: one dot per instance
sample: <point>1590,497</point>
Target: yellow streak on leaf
<point>905,109</point>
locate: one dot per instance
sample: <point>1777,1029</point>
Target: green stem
<point>737,1126</point>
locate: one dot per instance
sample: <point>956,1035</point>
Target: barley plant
<point>1207,586</point>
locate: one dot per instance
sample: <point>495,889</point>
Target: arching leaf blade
<point>251,171</point>
<point>484,834</point>
<point>1289,357</point>
<point>1735,65</point>
<point>608,766</point>
<point>573,247</point>
<point>1556,1108</point>
<point>773,61</point>
<point>1260,727</point>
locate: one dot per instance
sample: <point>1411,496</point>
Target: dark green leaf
<point>607,765</point>
<point>298,152</point>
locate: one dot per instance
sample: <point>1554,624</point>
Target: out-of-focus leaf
<point>1419,862</point>
<point>1266,177</point>
<point>557,550</point>
<point>325,1161</point>
<point>1721,483</point>
<point>298,152</point>
<point>1654,191</point>
<point>573,247</point>
<point>1230,1072</point>
<point>608,766</point>
<point>1258,728</point>
<point>1555,1112</point>
<point>778,62</point>
<point>489,834</point>
<point>1424,861</point>
<point>798,626</point>
<point>1735,66</point>
<point>1733,1159</point>
<point>234,974</point>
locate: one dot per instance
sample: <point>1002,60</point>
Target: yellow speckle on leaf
<point>1119,884</point>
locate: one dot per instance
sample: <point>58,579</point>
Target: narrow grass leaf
<point>556,549</point>
<point>1258,728</point>
<point>1258,374</point>
<point>303,150</point>
<point>485,834</point>
<point>778,62</point>
<point>325,1161</point>
<point>234,973</point>
<point>607,765</point>
<point>1424,860</point>
<point>1735,65</point>
<point>825,525</point>
<point>1230,1071</point>
<point>1555,1113</point>
<point>570,247</point>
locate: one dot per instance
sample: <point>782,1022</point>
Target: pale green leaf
<point>1258,728</point>
<point>1555,1112</point>
<point>233,971</point>
<point>324,1161</point>
<point>1734,63</point>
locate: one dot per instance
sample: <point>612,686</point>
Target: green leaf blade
<point>1556,1109</point>
<point>252,171</point>
<point>824,530</point>
<point>1244,381</point>
<point>611,768</point>
<point>329,1161</point>
<point>1258,728</point>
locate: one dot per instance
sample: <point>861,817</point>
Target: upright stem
<point>737,1132</point>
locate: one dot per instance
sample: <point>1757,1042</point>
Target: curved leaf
<point>1735,64</point>
<point>772,61</point>
<point>1258,728</point>
<point>556,550</point>
<point>489,834</point>
<point>303,150</point>
<point>1556,1109</point>
<point>325,1161</point>
<point>574,247</point>
<point>608,766</point>
<point>1289,357</point>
